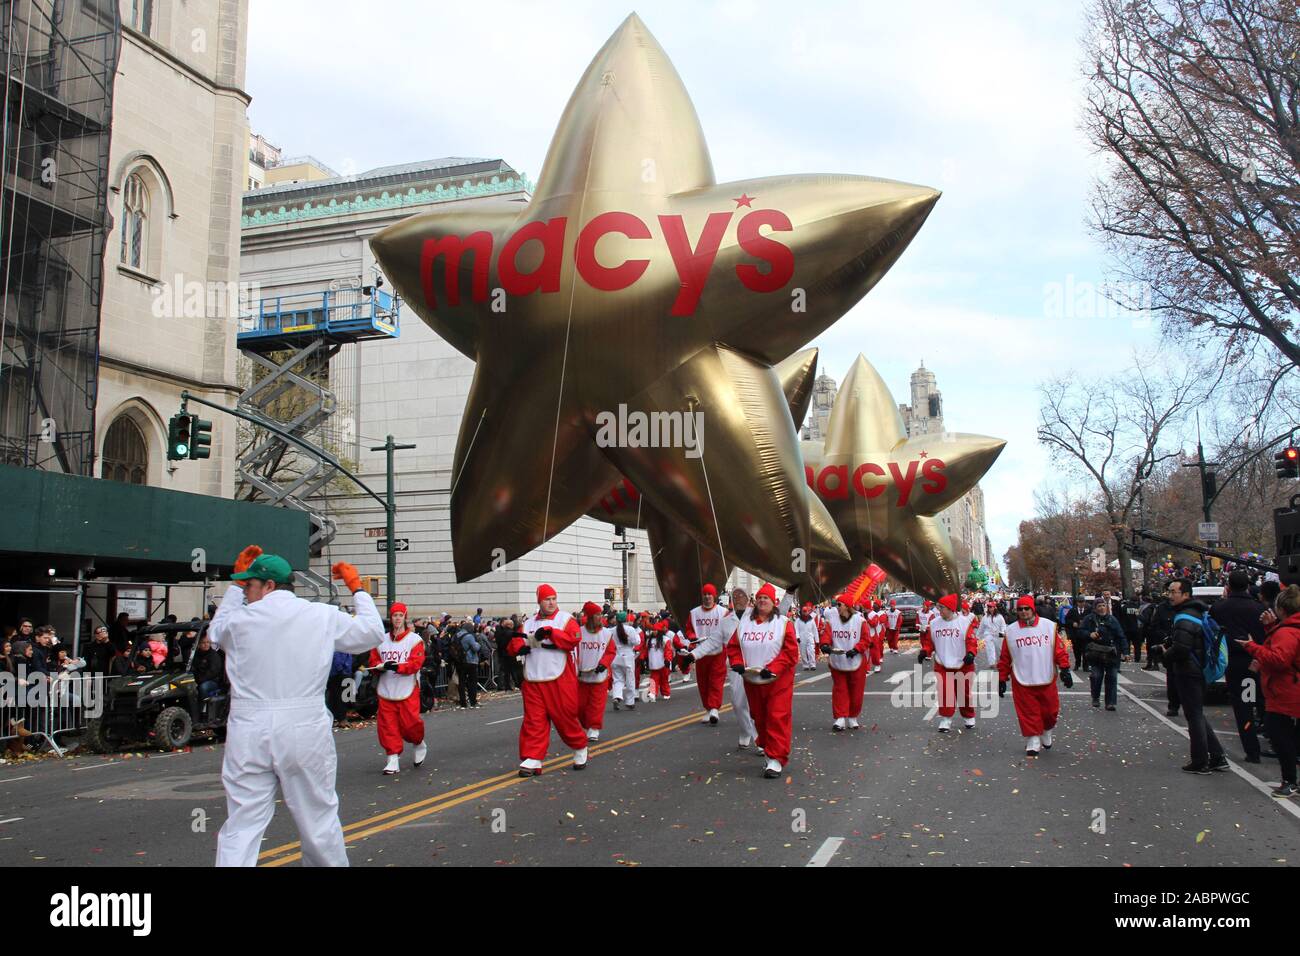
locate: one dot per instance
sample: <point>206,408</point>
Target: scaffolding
<point>289,342</point>
<point>60,57</point>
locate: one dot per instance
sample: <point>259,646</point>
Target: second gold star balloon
<point>633,285</point>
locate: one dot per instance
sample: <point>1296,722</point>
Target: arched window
<point>126,456</point>
<point>135,222</point>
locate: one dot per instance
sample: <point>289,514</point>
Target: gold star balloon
<point>683,565</point>
<point>883,488</point>
<point>632,286</point>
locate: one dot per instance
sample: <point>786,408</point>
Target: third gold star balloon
<point>883,489</point>
<point>633,286</point>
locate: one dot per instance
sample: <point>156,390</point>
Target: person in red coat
<point>1279,678</point>
<point>878,628</point>
<point>657,655</point>
<point>765,652</point>
<point>950,640</point>
<point>550,686</point>
<point>893,621</point>
<point>1033,654</point>
<point>399,659</point>
<point>595,655</point>
<point>848,648</point>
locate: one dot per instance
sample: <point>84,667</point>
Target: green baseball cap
<point>622,617</point>
<point>267,567</point>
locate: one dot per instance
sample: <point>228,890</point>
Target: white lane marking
<point>826,851</point>
<point>1122,679</point>
<point>1250,778</point>
<point>11,820</point>
<point>504,721</point>
<point>96,766</point>
<point>813,680</point>
<point>814,693</point>
<point>15,779</point>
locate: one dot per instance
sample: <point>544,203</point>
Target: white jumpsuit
<point>739,702</point>
<point>992,631</point>
<point>806,631</point>
<point>624,669</point>
<point>278,656</point>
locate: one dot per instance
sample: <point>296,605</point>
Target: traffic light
<point>179,430</point>
<point>1209,486</point>
<point>201,441</point>
<point>1287,462</point>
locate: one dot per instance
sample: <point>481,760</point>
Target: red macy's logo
<point>693,262</point>
<point>832,482</point>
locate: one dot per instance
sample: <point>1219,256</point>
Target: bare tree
<point>1114,432</point>
<point>1195,105</point>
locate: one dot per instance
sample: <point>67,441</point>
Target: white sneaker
<point>713,715</point>
<point>839,724</point>
<point>970,723</point>
<point>593,734</point>
<point>391,767</point>
<point>686,679</point>
<point>853,723</point>
<point>877,670</point>
<point>580,759</point>
<point>945,723</point>
<point>744,743</point>
<point>530,767</point>
<point>421,751</point>
<point>1047,740</point>
<point>1031,746</point>
<point>772,770</point>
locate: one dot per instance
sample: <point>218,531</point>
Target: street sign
<point>402,544</point>
<point>380,532</point>
<point>624,546</point>
<point>1208,530</point>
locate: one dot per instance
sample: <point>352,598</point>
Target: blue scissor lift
<point>291,339</point>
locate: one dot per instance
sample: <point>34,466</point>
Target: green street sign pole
<point>391,507</point>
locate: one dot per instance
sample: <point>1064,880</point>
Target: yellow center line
<point>399,816</point>
<point>488,785</point>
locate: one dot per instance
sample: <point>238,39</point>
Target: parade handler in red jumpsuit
<point>765,652</point>
<point>400,656</point>
<point>595,654</point>
<point>1032,656</point>
<point>550,687</point>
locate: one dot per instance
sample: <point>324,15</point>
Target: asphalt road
<point>662,789</point>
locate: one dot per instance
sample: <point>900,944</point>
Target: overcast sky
<point>979,100</point>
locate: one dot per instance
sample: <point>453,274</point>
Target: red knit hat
<point>397,607</point>
<point>544,591</point>
<point>1026,600</point>
<point>591,609</point>
<point>709,589</point>
<point>768,590</point>
<point>949,601</point>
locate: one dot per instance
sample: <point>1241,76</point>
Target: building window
<point>135,222</point>
<point>126,456</point>
<point>142,16</point>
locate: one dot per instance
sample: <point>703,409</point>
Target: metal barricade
<point>47,706</point>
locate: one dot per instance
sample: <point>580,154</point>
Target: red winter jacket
<point>1279,667</point>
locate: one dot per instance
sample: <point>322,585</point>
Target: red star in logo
<point>743,200</point>
<point>922,454</point>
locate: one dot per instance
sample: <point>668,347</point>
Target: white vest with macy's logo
<point>706,625</point>
<point>591,648</point>
<point>542,664</point>
<point>845,636</point>
<point>394,686</point>
<point>1033,652</point>
<point>760,643</point>
<point>949,639</point>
